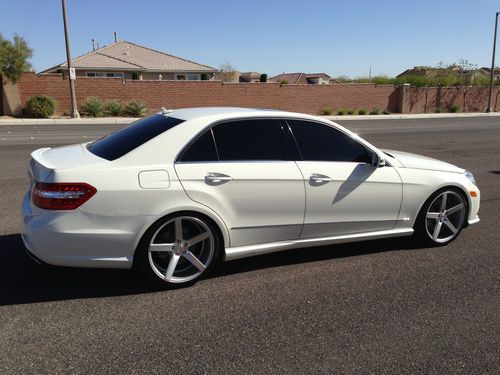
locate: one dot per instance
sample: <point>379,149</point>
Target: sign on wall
<point>72,73</point>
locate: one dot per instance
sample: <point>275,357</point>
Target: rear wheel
<point>179,250</point>
<point>442,217</point>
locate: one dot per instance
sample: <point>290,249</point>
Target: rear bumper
<point>78,239</point>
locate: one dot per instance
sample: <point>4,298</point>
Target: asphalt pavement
<point>366,308</point>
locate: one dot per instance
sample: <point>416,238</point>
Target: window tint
<point>202,149</point>
<point>322,143</point>
<point>248,140</point>
<point>124,140</point>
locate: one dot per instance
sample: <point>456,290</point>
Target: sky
<point>267,36</point>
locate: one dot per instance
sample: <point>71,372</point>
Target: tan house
<point>127,60</point>
<point>302,78</point>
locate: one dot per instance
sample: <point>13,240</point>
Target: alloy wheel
<point>181,249</point>
<point>445,216</point>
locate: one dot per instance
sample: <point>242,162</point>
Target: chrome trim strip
<point>239,252</point>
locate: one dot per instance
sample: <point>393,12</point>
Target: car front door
<point>345,193</point>
<point>240,169</point>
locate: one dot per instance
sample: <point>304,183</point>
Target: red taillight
<point>61,196</point>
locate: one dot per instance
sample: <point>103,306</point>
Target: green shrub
<point>350,111</point>
<point>113,108</point>
<point>386,112</point>
<point>362,111</point>
<point>438,109</point>
<point>327,111</point>
<point>375,111</point>
<point>135,109</point>
<point>40,106</point>
<point>263,77</point>
<point>92,107</point>
<point>341,112</point>
<point>284,82</point>
<point>453,108</point>
<point>204,77</point>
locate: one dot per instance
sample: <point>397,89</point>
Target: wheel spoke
<point>194,261</point>
<point>454,209</point>
<point>443,202</point>
<point>198,238</point>
<point>171,267</point>
<point>178,228</point>
<point>161,247</point>
<point>450,225</point>
<point>437,229</point>
<point>432,215</point>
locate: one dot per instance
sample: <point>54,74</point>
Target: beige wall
<point>11,100</point>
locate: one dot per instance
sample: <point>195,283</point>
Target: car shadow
<point>23,281</point>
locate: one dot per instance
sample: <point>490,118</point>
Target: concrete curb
<point>411,116</point>
<point>128,120</point>
<point>68,121</point>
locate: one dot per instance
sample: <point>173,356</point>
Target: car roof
<point>226,112</point>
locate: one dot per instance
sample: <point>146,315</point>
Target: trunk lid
<point>45,160</point>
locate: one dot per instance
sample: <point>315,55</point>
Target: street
<point>387,306</point>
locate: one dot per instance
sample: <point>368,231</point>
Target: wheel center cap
<point>180,247</point>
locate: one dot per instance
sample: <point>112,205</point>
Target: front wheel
<point>442,217</point>
<point>179,249</point>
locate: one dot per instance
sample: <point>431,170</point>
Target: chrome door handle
<point>217,177</point>
<point>319,178</point>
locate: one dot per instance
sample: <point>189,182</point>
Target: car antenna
<point>165,111</point>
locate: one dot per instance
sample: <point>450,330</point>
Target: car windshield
<point>124,140</point>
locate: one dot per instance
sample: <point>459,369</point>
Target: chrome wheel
<point>181,249</point>
<point>445,216</point>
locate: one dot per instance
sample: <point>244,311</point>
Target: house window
<point>104,75</point>
<point>188,77</point>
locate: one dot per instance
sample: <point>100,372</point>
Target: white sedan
<point>175,192</point>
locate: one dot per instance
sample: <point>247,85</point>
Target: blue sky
<point>336,37</point>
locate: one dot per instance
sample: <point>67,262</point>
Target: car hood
<point>415,161</point>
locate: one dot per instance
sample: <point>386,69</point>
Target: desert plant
<point>14,58</point>
<point>135,108</point>
<point>263,77</point>
<point>92,107</point>
<point>40,106</point>
<point>327,111</point>
<point>375,111</point>
<point>438,109</point>
<point>453,108</point>
<point>284,82</point>
<point>386,112</point>
<point>113,108</point>
<point>341,112</point>
<point>362,111</point>
<point>350,111</point>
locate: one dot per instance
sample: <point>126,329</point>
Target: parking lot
<point>387,306</point>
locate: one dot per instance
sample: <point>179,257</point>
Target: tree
<point>14,56</point>
<point>228,73</point>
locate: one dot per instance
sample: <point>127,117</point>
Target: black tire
<point>207,251</point>
<point>423,224</point>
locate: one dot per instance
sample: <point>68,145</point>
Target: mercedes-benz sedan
<point>175,192</point>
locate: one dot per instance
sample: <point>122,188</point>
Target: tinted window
<point>122,141</point>
<point>323,143</point>
<point>202,149</point>
<point>248,140</point>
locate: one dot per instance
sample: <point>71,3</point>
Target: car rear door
<point>345,193</point>
<point>241,170</point>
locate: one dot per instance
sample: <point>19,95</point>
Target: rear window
<point>122,141</point>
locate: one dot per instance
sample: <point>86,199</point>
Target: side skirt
<point>239,252</point>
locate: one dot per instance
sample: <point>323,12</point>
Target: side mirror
<point>378,161</point>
